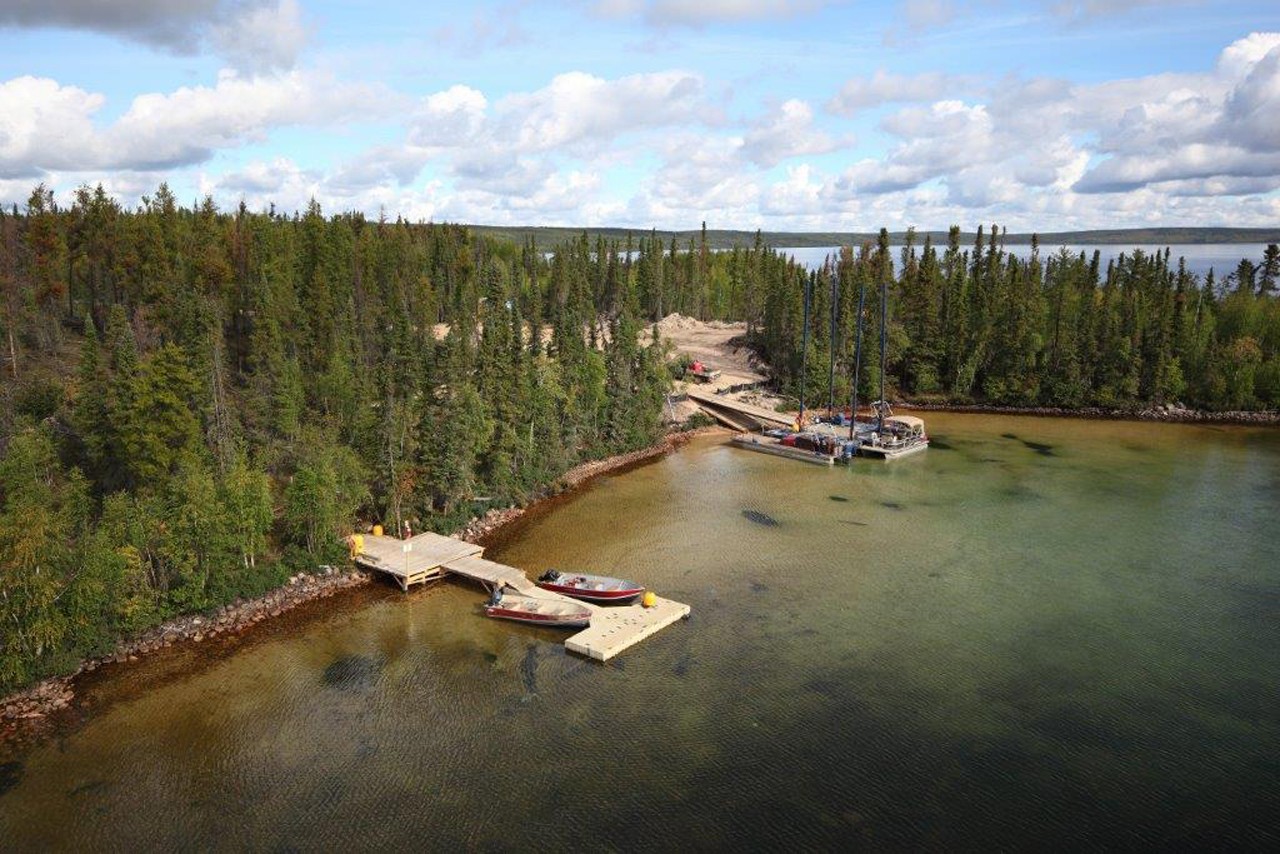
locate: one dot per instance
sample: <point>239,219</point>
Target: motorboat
<point>592,588</point>
<point>531,609</point>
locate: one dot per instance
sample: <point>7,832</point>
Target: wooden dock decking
<point>416,560</point>
<point>429,556</point>
<point>716,405</point>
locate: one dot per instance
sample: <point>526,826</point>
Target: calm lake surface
<point>1038,634</point>
<point>1222,258</point>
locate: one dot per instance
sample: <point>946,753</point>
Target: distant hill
<point>548,237</point>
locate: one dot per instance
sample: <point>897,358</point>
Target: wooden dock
<point>738,412</point>
<point>416,560</point>
<point>429,556</point>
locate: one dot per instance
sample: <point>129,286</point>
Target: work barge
<point>427,557</point>
<point>760,429</point>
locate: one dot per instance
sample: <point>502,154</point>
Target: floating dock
<point>768,445</point>
<point>429,556</point>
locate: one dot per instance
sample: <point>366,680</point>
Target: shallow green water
<point>1040,633</point>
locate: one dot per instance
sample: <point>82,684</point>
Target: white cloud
<point>1221,125</point>
<point>450,118</point>
<point>787,133</point>
<point>54,130</point>
<point>578,109</point>
<point>46,126</point>
<point>1252,114</point>
<point>861,93</point>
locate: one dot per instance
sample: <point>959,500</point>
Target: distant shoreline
<point>547,237</point>
<point>1167,415</point>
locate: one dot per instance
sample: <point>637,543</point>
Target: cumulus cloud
<point>53,127</point>
<point>47,126</point>
<point>251,34</point>
<point>1046,146</point>
<point>1251,117</point>
<point>1219,125</point>
<point>787,133</point>
<point>579,109</point>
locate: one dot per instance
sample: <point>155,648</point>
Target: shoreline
<point>1157,414</point>
<point>28,709</point>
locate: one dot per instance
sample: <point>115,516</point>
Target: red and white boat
<point>542,612</point>
<point>592,588</point>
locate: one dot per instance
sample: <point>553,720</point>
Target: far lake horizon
<point>1222,258</point>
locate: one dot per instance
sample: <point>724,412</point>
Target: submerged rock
<point>353,673</point>
<point>760,518</point>
<point>529,669</point>
<point>10,774</point>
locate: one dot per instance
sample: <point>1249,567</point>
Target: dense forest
<point>978,324</point>
<point>196,403</point>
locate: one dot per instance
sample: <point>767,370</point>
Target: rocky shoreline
<point>1164,413</point>
<point>56,693</point>
<point>28,707</point>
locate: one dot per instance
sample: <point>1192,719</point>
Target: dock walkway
<point>719,406</point>
<point>429,556</point>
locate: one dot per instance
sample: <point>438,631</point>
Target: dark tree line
<point>978,324</point>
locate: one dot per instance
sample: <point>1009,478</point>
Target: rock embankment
<point>54,694</point>
<point>1167,413</point>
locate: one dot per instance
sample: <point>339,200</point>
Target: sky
<point>785,115</point>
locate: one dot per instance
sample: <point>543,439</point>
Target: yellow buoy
<point>377,530</point>
<point>649,599</point>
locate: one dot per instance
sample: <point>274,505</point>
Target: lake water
<point>1039,633</point>
<point>1201,257</point>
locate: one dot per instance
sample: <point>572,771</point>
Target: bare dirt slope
<point>716,344</point>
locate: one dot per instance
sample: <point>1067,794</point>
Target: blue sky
<point>777,114</point>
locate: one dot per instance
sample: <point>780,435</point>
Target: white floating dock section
<point>428,556</point>
<point>767,445</point>
<point>613,629</point>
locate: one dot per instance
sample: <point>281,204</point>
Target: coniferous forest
<point>198,403</point>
